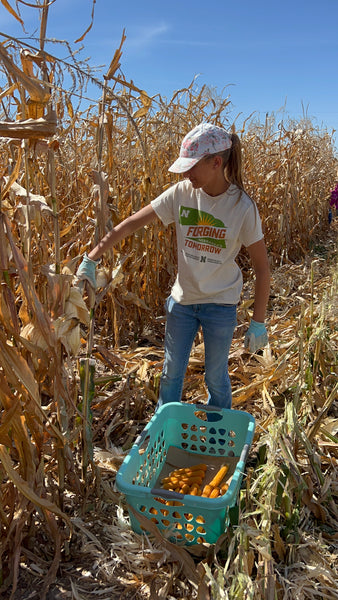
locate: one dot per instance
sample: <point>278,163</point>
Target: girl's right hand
<point>87,271</point>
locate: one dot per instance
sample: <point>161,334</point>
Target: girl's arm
<point>260,263</point>
<point>127,227</point>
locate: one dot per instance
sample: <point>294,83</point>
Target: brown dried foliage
<point>58,195</point>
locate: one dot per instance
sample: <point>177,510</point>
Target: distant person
<point>214,218</point>
<point>333,209</point>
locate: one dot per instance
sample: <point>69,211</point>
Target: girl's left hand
<point>256,337</point>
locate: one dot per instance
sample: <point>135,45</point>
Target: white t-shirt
<point>210,232</point>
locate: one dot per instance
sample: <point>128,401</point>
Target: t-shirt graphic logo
<point>202,227</point>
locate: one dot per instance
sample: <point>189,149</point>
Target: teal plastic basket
<point>205,433</point>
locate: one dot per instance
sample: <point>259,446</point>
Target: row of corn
<point>189,480</point>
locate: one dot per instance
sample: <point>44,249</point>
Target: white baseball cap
<point>199,142</point>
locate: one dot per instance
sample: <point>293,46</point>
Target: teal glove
<point>256,337</point>
<point>86,271</point>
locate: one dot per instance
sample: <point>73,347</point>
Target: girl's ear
<point>218,161</point>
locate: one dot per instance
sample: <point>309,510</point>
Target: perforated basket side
<point>141,466</point>
<point>224,434</point>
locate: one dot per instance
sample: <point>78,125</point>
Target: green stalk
<point>87,373</point>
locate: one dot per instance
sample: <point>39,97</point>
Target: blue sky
<point>267,55</point>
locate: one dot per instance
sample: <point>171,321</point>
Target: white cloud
<point>143,37</point>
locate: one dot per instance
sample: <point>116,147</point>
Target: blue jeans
<point>218,322</point>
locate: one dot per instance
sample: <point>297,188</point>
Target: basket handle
<point>166,494</point>
<point>244,453</point>
<point>207,407</point>
<point>141,438</point>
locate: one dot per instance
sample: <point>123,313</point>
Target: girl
<point>214,217</point>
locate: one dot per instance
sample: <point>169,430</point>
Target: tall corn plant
<point>42,335</point>
<point>37,394</point>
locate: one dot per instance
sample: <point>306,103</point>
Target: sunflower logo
<point>202,227</point>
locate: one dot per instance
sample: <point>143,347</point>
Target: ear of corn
<point>217,480</point>
<point>215,492</point>
<point>206,491</point>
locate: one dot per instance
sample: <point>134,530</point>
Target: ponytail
<point>232,162</point>
<point>233,167</point>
